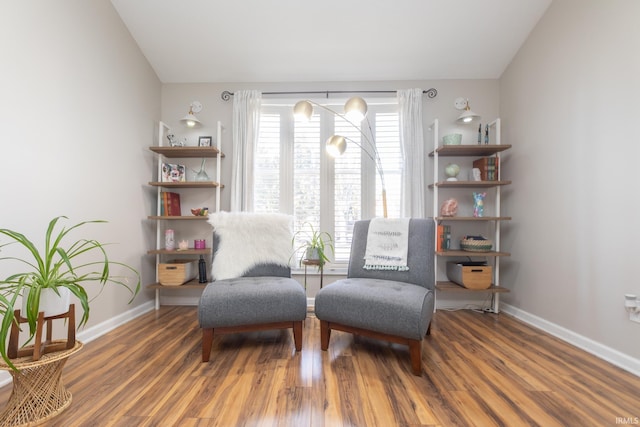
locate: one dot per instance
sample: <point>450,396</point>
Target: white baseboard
<point>612,356</point>
<point>90,334</point>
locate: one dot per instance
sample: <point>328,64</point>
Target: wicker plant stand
<point>38,392</point>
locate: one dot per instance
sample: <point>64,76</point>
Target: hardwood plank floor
<point>479,370</point>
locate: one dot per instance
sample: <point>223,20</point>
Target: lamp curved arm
<point>375,158</point>
<point>372,146</point>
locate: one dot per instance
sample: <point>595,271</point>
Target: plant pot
<point>312,254</point>
<point>51,303</point>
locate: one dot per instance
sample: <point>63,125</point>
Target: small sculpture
<point>478,204</point>
<point>173,142</point>
<point>475,174</point>
<point>449,208</point>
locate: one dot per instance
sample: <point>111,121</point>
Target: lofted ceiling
<point>197,41</point>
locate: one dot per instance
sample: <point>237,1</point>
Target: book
<point>489,168</point>
<point>443,242</point>
<point>170,205</point>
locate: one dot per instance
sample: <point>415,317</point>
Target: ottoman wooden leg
<point>207,343</point>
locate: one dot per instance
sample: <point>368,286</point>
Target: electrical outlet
<point>635,316</point>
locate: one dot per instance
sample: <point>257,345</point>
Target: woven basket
<point>476,245</point>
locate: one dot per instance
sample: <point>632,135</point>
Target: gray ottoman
<point>250,303</point>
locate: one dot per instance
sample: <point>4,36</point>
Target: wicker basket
<point>177,271</point>
<point>476,245</point>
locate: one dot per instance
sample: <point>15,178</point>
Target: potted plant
<point>61,267</point>
<point>314,244</point>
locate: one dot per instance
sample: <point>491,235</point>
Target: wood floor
<point>479,370</point>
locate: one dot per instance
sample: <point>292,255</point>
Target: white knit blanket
<point>387,244</point>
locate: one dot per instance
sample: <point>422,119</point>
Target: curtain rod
<point>431,93</point>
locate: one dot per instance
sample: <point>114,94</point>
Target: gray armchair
<point>395,306</point>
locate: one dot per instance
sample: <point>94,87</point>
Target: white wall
<point>79,106</point>
<point>569,104</point>
<point>483,95</point>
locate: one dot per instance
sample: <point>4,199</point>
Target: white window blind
<point>295,175</point>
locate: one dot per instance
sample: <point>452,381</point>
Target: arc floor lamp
<point>355,111</point>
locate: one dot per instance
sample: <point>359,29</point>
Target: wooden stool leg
<point>71,327</point>
<point>37,345</point>
<point>49,331</point>
<point>12,349</point>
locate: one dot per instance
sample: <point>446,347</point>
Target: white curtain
<point>412,144</point>
<point>246,122</point>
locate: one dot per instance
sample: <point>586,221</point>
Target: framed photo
<point>204,141</point>
<point>173,173</point>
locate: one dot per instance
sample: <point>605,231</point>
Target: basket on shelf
<point>476,244</point>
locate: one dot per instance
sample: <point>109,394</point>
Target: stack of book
<point>170,204</point>
<point>489,167</point>
<point>444,238</point>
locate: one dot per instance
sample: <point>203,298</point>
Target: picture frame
<point>173,173</point>
<point>205,141</point>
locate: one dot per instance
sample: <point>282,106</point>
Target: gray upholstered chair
<point>263,296</point>
<point>394,306</point>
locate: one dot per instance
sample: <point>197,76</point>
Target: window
<point>293,173</point>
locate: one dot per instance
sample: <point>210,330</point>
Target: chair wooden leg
<point>325,334</point>
<point>415,351</point>
<point>207,343</point>
<point>297,335</point>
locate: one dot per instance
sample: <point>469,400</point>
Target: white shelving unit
<point>440,187</point>
<point>165,154</point>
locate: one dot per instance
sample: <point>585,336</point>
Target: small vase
<point>201,175</point>
<point>50,302</point>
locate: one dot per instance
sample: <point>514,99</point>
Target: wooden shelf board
<point>454,287</point>
<point>473,218</point>
<point>468,184</point>
<point>187,184</point>
<point>193,284</point>
<point>183,217</point>
<point>461,253</point>
<point>469,150</point>
<point>185,152</point>
<point>190,251</point>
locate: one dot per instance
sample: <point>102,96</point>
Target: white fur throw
<point>248,239</point>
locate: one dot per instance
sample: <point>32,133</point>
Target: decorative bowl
<point>452,139</point>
